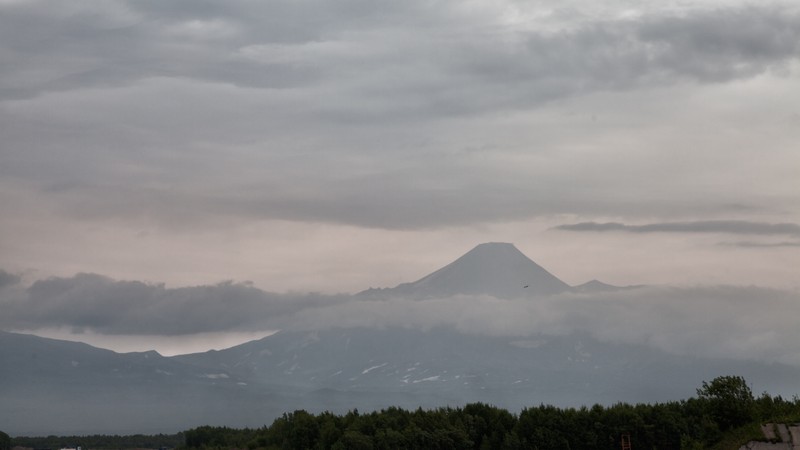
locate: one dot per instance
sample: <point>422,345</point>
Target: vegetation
<point>729,401</point>
<point>724,415</point>
<point>101,442</point>
<point>5,441</point>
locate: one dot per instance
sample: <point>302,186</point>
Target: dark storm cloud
<point>707,226</point>
<point>89,302</point>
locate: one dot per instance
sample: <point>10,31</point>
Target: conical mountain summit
<point>495,268</point>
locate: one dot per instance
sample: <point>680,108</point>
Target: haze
<point>153,151</point>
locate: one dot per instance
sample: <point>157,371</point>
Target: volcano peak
<point>494,268</point>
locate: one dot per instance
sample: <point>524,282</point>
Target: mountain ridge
<point>337,370</point>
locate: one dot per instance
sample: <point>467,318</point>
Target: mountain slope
<point>362,366</point>
<point>56,387</point>
<point>49,386</point>
<point>497,269</point>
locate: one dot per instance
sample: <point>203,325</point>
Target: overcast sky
<point>319,146</point>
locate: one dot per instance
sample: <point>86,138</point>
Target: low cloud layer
<point>713,321</point>
<point>97,304</point>
<point>8,279</point>
<point>751,244</point>
<point>722,321</point>
<point>707,226</point>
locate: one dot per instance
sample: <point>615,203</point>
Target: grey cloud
<point>707,226</point>
<point>318,106</point>
<point>76,45</point>
<point>712,46</point>
<point>722,44</point>
<point>724,321</point>
<point>79,45</point>
<point>89,302</point>
<point>751,244</point>
<point>389,202</point>
<point>8,279</point>
<point>711,321</point>
<point>438,197</point>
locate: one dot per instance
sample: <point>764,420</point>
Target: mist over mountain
<point>599,286</point>
<point>492,326</point>
<point>57,387</point>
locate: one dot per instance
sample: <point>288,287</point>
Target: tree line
<point>724,404</point>
<point>99,441</point>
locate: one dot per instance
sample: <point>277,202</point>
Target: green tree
<point>729,401</point>
<point>354,440</point>
<point>5,441</point>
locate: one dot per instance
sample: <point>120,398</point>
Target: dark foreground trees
<point>100,441</point>
<point>5,441</point>
<point>729,401</point>
<point>722,404</point>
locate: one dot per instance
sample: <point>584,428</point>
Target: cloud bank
<point>722,321</point>
<point>8,279</point>
<point>286,45</point>
<point>707,226</point>
<point>97,304</point>
<point>713,321</point>
<point>751,244</point>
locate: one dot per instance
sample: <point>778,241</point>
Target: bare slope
<point>497,269</point>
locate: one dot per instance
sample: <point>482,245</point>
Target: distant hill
<point>50,386</point>
<point>57,387</point>
<point>598,286</point>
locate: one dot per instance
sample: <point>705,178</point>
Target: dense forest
<point>724,414</point>
<point>101,441</point>
<point>721,408</point>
